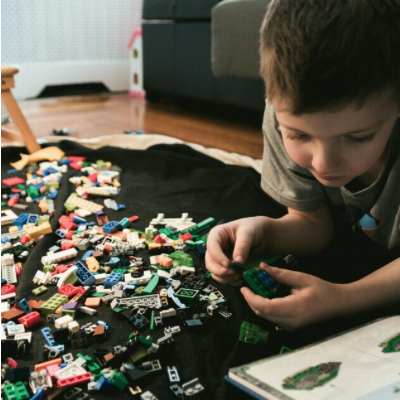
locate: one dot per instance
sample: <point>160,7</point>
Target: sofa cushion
<point>178,9</point>
<point>235,28</point>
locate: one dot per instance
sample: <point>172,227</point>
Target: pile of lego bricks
<point>100,303</point>
<point>98,292</point>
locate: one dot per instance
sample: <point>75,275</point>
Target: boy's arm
<point>300,233</point>
<point>378,289</point>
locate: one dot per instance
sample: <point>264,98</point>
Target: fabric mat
<point>174,179</point>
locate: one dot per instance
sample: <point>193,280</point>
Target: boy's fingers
<point>215,241</point>
<point>285,276</point>
<point>225,280</point>
<point>216,268</point>
<point>243,245</point>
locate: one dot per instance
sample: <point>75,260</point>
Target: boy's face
<point>338,146</point>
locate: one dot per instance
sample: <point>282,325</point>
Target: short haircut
<point>322,54</point>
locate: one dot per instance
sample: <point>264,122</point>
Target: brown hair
<point>319,54</point>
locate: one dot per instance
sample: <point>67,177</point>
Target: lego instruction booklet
<point>363,364</point>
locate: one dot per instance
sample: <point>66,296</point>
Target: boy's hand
<point>233,241</point>
<point>311,299</point>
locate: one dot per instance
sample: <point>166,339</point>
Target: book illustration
<point>312,377</point>
<point>391,344</point>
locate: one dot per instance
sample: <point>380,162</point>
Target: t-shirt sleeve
<point>281,178</point>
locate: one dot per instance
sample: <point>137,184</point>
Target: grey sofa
<point>203,49</point>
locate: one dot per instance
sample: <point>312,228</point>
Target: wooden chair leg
<point>19,119</point>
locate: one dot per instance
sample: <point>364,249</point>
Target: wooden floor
<point>233,130</point>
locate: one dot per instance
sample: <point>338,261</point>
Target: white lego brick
<point>65,275</point>
<point>8,273</point>
<point>107,176</point>
<point>59,256</point>
<point>100,278</point>
<point>15,329</point>
<point>102,289</point>
<point>8,296</point>
<point>163,274</point>
<point>63,322</point>
<point>5,306</point>
<point>82,213</point>
<point>167,313</point>
<point>26,335</point>
<point>70,370</point>
<point>73,326</point>
<point>7,259</point>
<point>84,204</point>
<point>7,217</point>
<point>81,362</point>
<point>88,310</point>
<point>107,191</point>
<point>145,278</point>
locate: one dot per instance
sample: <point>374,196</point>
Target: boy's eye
<point>297,136</point>
<point>363,139</point>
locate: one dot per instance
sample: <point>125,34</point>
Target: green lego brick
<point>251,333</point>
<point>181,259</point>
<point>151,286</point>
<point>166,231</point>
<point>53,303</point>
<point>49,185</point>
<point>195,229</point>
<point>95,369</point>
<point>119,380</point>
<point>18,249</point>
<point>21,186</point>
<point>72,279</point>
<point>15,391</point>
<point>87,358</point>
<point>256,263</point>
<point>145,341</point>
<point>42,219</point>
<point>100,164</point>
<point>39,290</point>
<point>187,296</point>
<point>48,268</point>
<point>71,313</point>
<point>70,207</point>
<point>284,350</point>
<point>32,191</point>
<point>120,270</point>
<point>139,290</point>
<point>98,294</point>
<point>256,286</point>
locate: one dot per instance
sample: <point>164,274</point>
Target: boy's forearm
<point>379,289</point>
<point>296,235</point>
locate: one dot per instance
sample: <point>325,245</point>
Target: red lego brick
<point>25,239</point>
<point>186,236</point>
<point>69,235</point>
<point>133,219</point>
<point>76,158</point>
<point>74,380</point>
<point>12,363</point>
<point>13,181</point>
<point>12,201</point>
<point>67,245</point>
<point>159,239</point>
<point>16,190</point>
<point>30,319</point>
<point>75,165</point>
<point>61,268</point>
<point>81,290</point>
<point>18,269</point>
<point>68,290</point>
<point>7,289</point>
<point>65,222</point>
<point>93,177</point>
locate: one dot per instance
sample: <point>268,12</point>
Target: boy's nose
<point>326,161</point>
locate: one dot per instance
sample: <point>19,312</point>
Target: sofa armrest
<point>235,26</point>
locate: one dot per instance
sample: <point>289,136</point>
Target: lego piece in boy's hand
<point>263,285</point>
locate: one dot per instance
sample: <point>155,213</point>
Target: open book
<point>362,364</point>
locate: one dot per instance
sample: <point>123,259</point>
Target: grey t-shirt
<point>374,209</point>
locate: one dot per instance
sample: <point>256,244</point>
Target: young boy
<point>332,139</point>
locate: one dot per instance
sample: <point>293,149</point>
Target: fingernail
<point>239,259</point>
<point>265,265</point>
<point>225,264</point>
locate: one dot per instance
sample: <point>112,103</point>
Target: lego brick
<point>49,337</point>
<point>42,229</point>
<point>71,370</point>
<point>15,391</point>
<point>59,256</point>
<point>30,319</point>
<point>77,202</point>
<point>39,290</point>
<point>75,380</point>
<point>85,277</point>
<point>112,279</point>
<point>44,365</point>
<point>51,305</point>
<point>8,217</point>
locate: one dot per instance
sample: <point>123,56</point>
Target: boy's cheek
<point>299,155</point>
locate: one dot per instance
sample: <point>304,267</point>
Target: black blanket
<point>173,179</point>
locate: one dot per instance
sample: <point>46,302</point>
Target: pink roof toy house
<point>136,65</point>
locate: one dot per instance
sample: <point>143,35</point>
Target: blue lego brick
<point>87,254</point>
<point>121,207</point>
<point>14,195</point>
<point>21,220</point>
<point>60,233</point>
<point>115,261</point>
<point>33,218</point>
<point>84,276</point>
<point>111,227</point>
<point>125,223</point>
<point>112,280</point>
<point>40,395</point>
<point>50,170</point>
<point>52,195</point>
<point>12,171</point>
<point>3,281</point>
<point>104,384</point>
<point>5,239</point>
<point>24,306</point>
<point>46,332</point>
<point>265,279</point>
<point>65,162</point>
<point>79,220</point>
<point>90,223</point>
